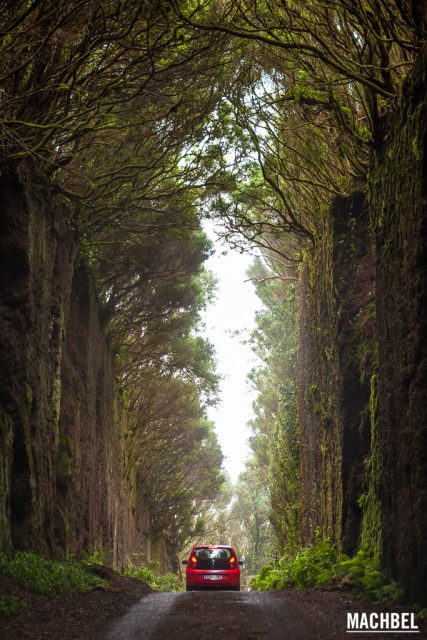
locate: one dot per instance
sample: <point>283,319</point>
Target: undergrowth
<point>9,605</point>
<point>96,558</point>
<point>322,565</point>
<point>167,582</point>
<point>48,577</point>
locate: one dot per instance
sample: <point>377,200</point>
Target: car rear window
<point>213,558</point>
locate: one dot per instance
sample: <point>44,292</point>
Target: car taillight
<point>193,560</point>
<point>232,562</point>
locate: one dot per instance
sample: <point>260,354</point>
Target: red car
<point>212,567</point>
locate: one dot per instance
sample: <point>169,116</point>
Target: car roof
<point>212,546</point>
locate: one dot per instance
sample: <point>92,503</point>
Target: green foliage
<point>250,530</point>
<point>48,577</point>
<point>9,605</point>
<point>366,577</point>
<point>322,565</point>
<point>95,558</point>
<point>275,442</point>
<point>166,582</point>
<point>310,566</point>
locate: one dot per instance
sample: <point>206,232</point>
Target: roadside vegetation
<point>150,575</point>
<point>54,578</point>
<point>322,565</point>
<point>48,577</point>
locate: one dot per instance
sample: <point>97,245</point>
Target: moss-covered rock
<point>336,290</point>
<point>64,487</point>
<point>399,220</point>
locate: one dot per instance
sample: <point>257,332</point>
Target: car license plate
<point>212,577</point>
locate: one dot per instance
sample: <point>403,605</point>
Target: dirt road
<point>130,610</point>
<point>250,615</point>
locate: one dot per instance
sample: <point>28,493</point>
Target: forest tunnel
<point>299,130</point>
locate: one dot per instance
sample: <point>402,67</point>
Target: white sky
<point>233,310</point>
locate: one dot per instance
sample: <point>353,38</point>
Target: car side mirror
<point>241,563</point>
<point>185,562</point>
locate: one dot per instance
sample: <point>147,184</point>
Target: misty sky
<point>233,310</point>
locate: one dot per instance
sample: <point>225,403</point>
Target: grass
<point>322,565</point>
<point>48,577</point>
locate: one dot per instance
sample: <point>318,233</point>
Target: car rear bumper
<point>213,579</point>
